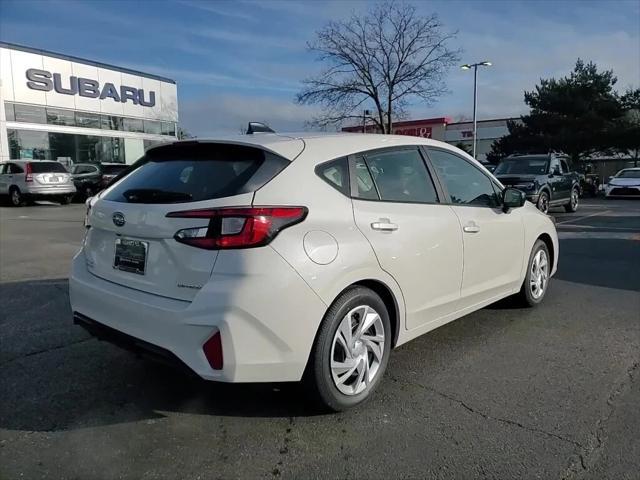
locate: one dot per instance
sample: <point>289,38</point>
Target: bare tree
<point>383,60</point>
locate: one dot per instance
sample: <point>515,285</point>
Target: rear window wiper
<point>152,195</point>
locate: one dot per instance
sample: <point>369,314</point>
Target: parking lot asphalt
<point>505,392</point>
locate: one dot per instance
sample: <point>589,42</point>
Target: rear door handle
<point>384,225</point>
<point>471,227</point>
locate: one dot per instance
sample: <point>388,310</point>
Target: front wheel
<point>536,281</point>
<point>351,351</point>
<point>65,199</point>
<point>572,206</point>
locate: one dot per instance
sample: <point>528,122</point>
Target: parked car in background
<point>547,180</point>
<point>625,183</point>
<point>91,178</point>
<point>269,258</point>
<point>28,180</point>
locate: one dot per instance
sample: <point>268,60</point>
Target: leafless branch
<point>383,61</point>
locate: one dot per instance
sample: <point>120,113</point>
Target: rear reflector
<point>213,351</point>
<point>242,227</point>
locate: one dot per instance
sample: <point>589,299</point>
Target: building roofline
<point>61,56</point>
<point>486,120</point>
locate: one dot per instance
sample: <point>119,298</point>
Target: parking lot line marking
<point>586,216</point>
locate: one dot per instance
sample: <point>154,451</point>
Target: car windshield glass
<point>180,173</point>
<point>629,174</point>
<point>46,167</point>
<point>522,166</point>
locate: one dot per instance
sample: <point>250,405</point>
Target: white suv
<point>269,258</point>
<point>26,180</point>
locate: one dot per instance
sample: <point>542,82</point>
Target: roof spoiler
<point>257,127</point>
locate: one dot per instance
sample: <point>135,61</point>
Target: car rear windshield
<point>112,169</point>
<point>180,173</point>
<point>522,166</point>
<point>629,174</point>
<point>47,167</point>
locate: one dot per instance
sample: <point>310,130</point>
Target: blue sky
<point>236,61</point>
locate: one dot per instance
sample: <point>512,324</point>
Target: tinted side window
<point>13,168</point>
<point>466,184</point>
<point>401,176</point>
<point>2,168</point>
<point>564,166</point>
<point>336,174</point>
<point>365,187</point>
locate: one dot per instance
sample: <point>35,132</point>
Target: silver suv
<point>26,180</point>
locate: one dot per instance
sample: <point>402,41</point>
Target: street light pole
<point>475,66</point>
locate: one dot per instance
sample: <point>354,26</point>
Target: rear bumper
<point>267,319</point>
<point>46,190</point>
<point>134,345</point>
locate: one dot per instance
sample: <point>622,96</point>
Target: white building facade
<point>57,107</point>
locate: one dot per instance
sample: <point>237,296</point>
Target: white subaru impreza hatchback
<point>272,258</point>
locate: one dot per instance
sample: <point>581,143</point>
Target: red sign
<point>424,132</point>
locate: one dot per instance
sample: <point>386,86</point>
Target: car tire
<point>536,282</point>
<point>15,197</point>
<point>66,199</point>
<point>346,365</point>
<point>543,202</point>
<point>88,192</point>
<point>572,206</point>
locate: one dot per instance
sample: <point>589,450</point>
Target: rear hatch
<point>132,240</point>
<point>48,173</point>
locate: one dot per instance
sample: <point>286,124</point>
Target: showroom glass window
<point>57,116</point>
<point>88,120</point>
<point>30,114</point>
<point>151,126</point>
<point>9,112</point>
<point>465,183</point>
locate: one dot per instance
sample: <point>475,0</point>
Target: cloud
<point>229,114</point>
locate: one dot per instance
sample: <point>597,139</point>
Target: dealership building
<point>445,130</point>
<point>58,107</point>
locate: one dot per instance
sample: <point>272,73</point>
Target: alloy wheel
<point>539,274</point>
<point>544,204</point>
<point>357,350</point>
<point>574,199</point>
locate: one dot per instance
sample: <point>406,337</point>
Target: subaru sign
<point>46,81</point>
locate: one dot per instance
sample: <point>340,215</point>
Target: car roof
<point>318,144</point>
<point>24,160</point>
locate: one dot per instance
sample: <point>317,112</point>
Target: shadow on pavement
<point>54,376</point>
<point>612,263</point>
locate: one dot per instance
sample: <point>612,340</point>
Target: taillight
<point>28,177</point>
<point>242,227</point>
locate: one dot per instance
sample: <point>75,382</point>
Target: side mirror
<point>610,178</point>
<point>513,198</point>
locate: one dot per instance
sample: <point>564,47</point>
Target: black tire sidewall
<point>569,206</point>
<point>321,356</point>
<point>543,194</point>
<point>527,297</point>
<point>21,197</point>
